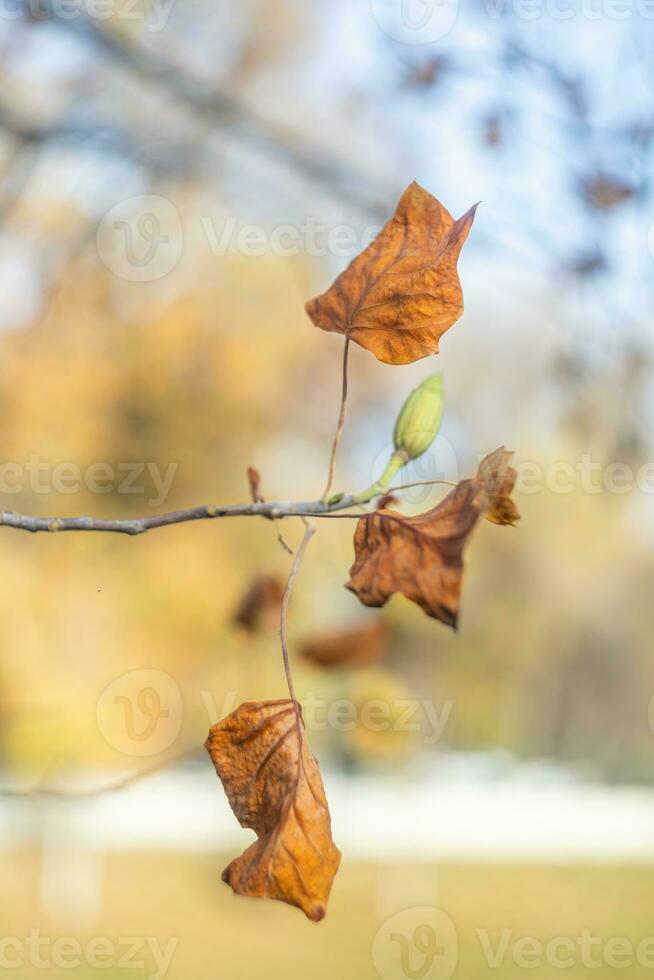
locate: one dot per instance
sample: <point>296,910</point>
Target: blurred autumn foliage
<point>215,367</point>
<point>555,656</point>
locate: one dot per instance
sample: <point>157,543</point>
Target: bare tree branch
<point>272,510</point>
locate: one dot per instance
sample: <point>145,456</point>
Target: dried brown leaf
<point>604,192</point>
<point>401,294</point>
<point>260,604</point>
<point>274,786</point>
<point>499,477</point>
<point>358,647</point>
<point>422,556</point>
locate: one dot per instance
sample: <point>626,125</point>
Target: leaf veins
<point>422,556</point>
<point>274,786</point>
<point>400,295</point>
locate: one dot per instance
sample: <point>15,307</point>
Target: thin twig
<point>139,525</point>
<point>420,483</point>
<point>257,498</point>
<point>339,424</point>
<point>86,794</point>
<point>309,531</point>
<point>274,510</point>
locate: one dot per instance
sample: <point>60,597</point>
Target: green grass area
<point>513,911</point>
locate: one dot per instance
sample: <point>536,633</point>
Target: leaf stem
<point>309,531</point>
<point>339,424</point>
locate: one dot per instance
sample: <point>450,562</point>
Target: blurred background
<point>178,177</point>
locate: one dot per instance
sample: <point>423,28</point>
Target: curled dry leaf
<point>358,647</point>
<point>499,477</point>
<point>260,604</point>
<point>400,295</point>
<point>422,556</point>
<point>274,787</point>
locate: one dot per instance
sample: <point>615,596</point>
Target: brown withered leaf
<point>400,295</point>
<point>357,647</point>
<point>499,477</point>
<point>604,192</point>
<point>422,556</point>
<point>260,603</point>
<point>274,786</point>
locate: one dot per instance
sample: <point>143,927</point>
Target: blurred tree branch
<point>224,110</point>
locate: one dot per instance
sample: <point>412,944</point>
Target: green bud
<point>420,418</point>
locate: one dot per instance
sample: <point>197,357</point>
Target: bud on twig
<point>420,418</point>
<point>416,428</point>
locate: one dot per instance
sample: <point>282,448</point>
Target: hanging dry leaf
<point>422,556</point>
<point>348,648</point>
<point>260,603</point>
<point>499,477</point>
<point>401,294</point>
<point>274,787</point>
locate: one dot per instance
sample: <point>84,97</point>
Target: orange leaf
<point>347,648</point>
<point>401,294</point>
<point>274,787</point>
<point>422,556</point>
